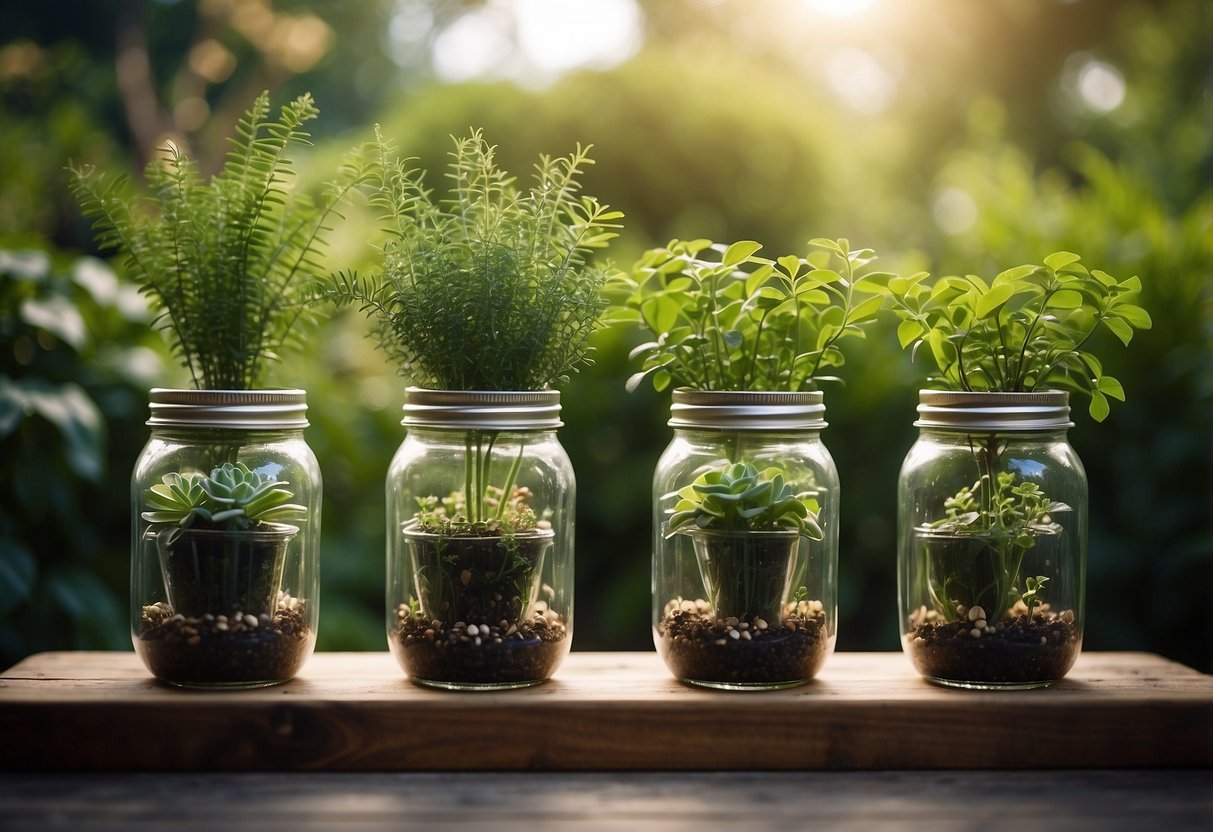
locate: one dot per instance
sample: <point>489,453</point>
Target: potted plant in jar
<point>485,299</point>
<point>992,499</point>
<point>230,262</point>
<point>746,495</point>
<point>222,542</point>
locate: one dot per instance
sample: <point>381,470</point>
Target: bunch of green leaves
<point>231,497</point>
<point>723,318</point>
<point>1010,509</point>
<point>739,497</point>
<point>1026,330</point>
<point>230,262</point>
<point>491,288</point>
<point>449,515</point>
<point>1008,516</point>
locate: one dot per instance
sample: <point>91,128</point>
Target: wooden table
<point>1124,742</point>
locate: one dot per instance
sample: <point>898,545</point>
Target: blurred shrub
<point>74,369</point>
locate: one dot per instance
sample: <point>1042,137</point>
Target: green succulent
<point>739,497</point>
<point>232,497</point>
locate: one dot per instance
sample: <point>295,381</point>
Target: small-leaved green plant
<point>1008,518</point>
<point>230,262</point>
<point>739,498</point>
<point>490,288</point>
<point>1028,329</point>
<point>231,497</point>
<point>723,318</point>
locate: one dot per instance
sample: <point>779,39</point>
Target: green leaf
<point>791,264</point>
<point>1134,315</point>
<point>1066,299</point>
<point>994,298</point>
<point>739,252</point>
<point>1099,408</point>
<point>908,331</point>
<point>1120,329</point>
<point>661,380</point>
<point>1061,259</point>
<point>867,309</point>
<point>1110,387</point>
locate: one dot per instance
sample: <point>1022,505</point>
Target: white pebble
<point>980,624</point>
<point>250,620</point>
<point>975,633</point>
<point>473,630</point>
<point>976,612</point>
<point>733,634</point>
<point>760,623</point>
<point>745,635</point>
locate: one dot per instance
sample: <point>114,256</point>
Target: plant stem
<point>508,486</point>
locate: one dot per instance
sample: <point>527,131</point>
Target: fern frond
<point>233,261</point>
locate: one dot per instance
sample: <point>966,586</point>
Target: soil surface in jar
<point>1018,651</point>
<point>699,647</point>
<point>219,650</point>
<point>505,653</point>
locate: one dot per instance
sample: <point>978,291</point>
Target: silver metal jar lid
<point>228,409</point>
<point>748,410</point>
<point>482,409</point>
<point>965,411</point>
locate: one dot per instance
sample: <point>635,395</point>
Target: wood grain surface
<point>604,711</point>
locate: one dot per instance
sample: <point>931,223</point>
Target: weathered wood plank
<point>605,711</point>
<point>948,800</point>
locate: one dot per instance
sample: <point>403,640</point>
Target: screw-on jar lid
<point>228,409</point>
<point>748,410</point>
<point>482,409</point>
<point>969,411</point>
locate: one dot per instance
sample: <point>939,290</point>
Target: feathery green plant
<point>491,288</point>
<point>230,262</point>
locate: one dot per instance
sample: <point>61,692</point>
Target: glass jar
<point>745,609</point>
<point>992,532</point>
<point>225,501</point>
<point>480,590</point>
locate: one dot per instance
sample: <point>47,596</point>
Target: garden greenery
<point>1027,329</point>
<point>230,262</point>
<point>723,318</point>
<point>490,288</point>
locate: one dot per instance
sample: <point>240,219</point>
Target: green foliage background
<point>722,125</point>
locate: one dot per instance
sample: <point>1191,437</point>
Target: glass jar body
<point>487,607</point>
<point>230,603</point>
<point>992,556</point>
<point>750,609</point>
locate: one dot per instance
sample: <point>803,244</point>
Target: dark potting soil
<point>221,651</point>
<point>470,655</point>
<point>700,648</point>
<point>1019,652</point>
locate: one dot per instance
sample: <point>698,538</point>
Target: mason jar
<point>992,534</point>
<point>741,608</point>
<point>225,518</point>
<point>480,524</point>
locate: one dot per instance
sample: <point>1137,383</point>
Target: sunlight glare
<point>839,8</point>
<point>534,41</point>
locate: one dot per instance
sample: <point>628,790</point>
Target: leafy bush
<point>731,320</point>
<point>490,289</point>
<point>231,262</point>
<point>1028,329</point>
